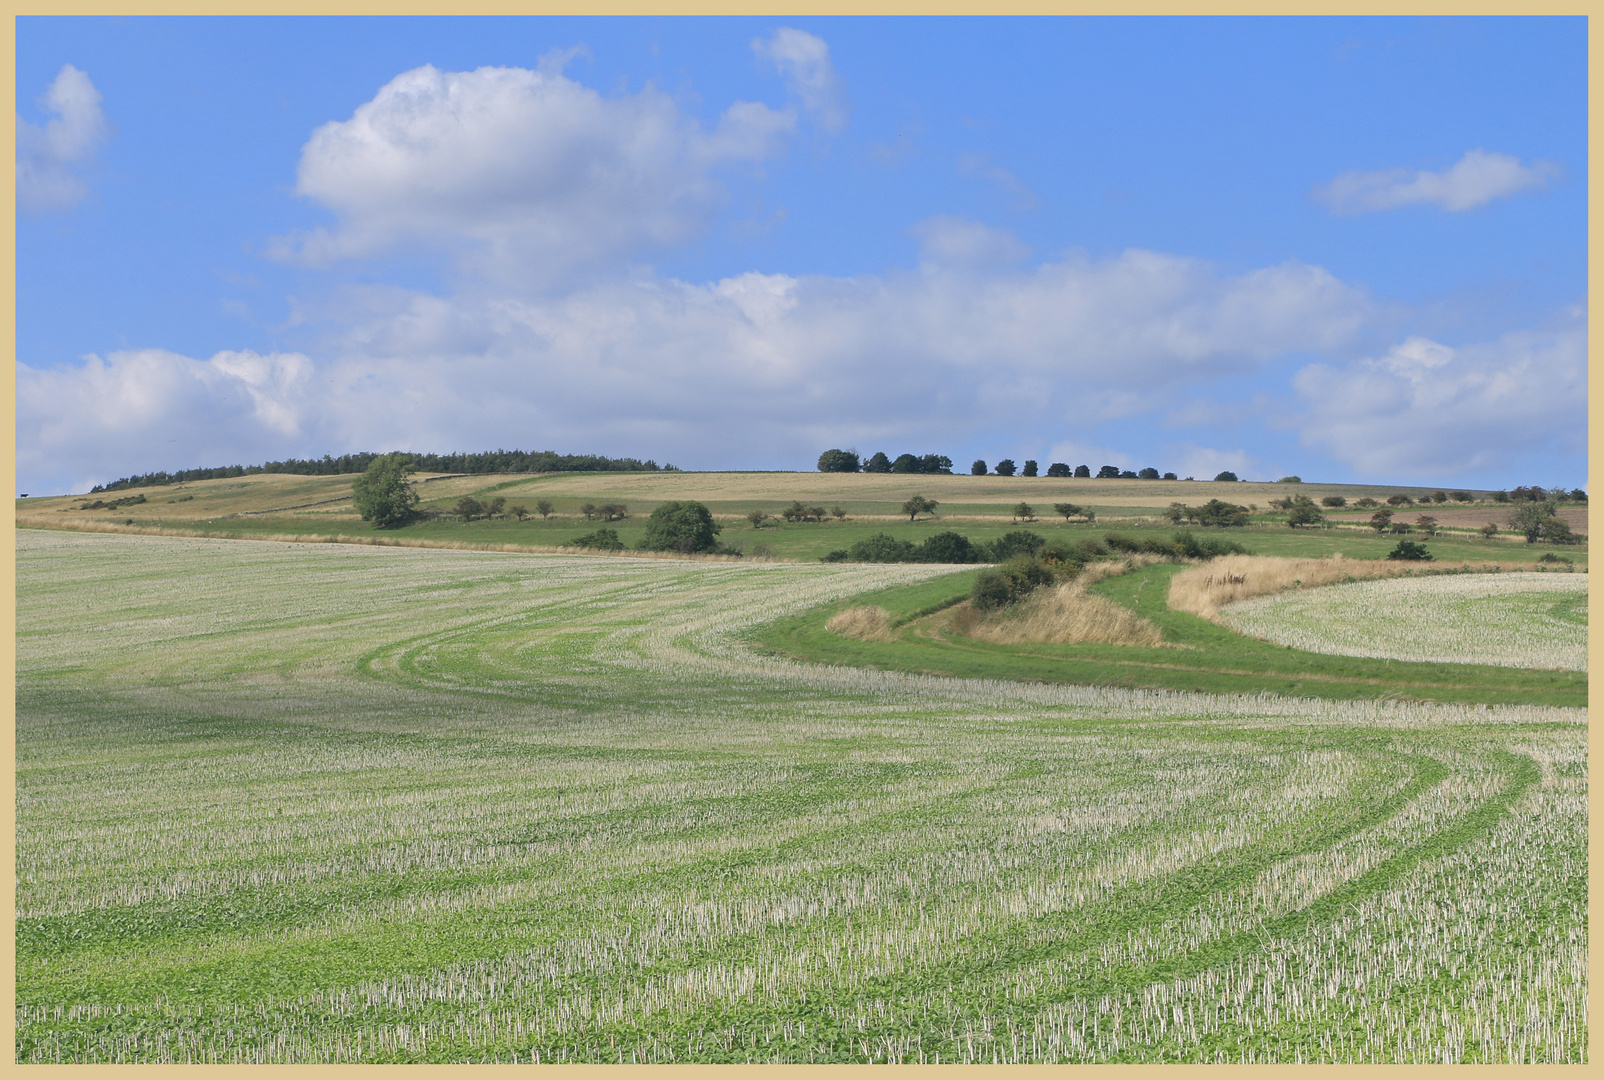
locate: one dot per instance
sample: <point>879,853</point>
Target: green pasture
<point>808,541</point>
<point>334,803</point>
<point>1198,655</point>
<point>978,507</point>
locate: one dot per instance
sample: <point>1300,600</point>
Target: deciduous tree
<point>838,461</point>
<point>685,527</point>
<point>382,493</point>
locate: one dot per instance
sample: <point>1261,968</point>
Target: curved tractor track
<point>306,804</point>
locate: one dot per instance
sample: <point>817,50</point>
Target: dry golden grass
<point>862,623</point>
<point>1064,614</point>
<point>1203,590</point>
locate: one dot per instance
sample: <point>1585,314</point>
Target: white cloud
<point>804,60</point>
<point>145,409</point>
<point>1074,453</point>
<point>1205,463</point>
<point>772,364</point>
<point>524,175</point>
<point>953,241</point>
<point>1427,410</point>
<point>47,156</point>
<point>1474,180</point>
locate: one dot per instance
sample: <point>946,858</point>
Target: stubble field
<point>335,803</point>
<point>1511,620</point>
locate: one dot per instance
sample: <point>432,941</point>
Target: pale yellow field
<point>328,496</point>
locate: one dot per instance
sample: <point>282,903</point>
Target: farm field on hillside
<point>337,803</point>
<point>276,505</point>
<point>1515,620</point>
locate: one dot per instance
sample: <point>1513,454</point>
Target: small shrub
<point>882,548</point>
<point>1010,582</point>
<point>1334,501</point>
<point>948,547</point>
<point>601,540</point>
<point>1409,549</point>
<point>990,591</point>
<point>1227,477</point>
<point>1020,541</point>
<point>1192,546</point>
<point>1221,513</point>
<point>1302,511</point>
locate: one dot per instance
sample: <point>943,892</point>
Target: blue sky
<point>1351,249</point>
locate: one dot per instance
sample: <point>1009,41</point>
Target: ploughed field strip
<point>1512,620</point>
<point>328,803</point>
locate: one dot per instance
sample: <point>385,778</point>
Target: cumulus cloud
<point>804,61</point>
<point>772,363</point>
<point>953,241</point>
<point>144,409</point>
<point>524,175</point>
<point>1474,180</point>
<point>48,156</point>
<point>1427,409</point>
